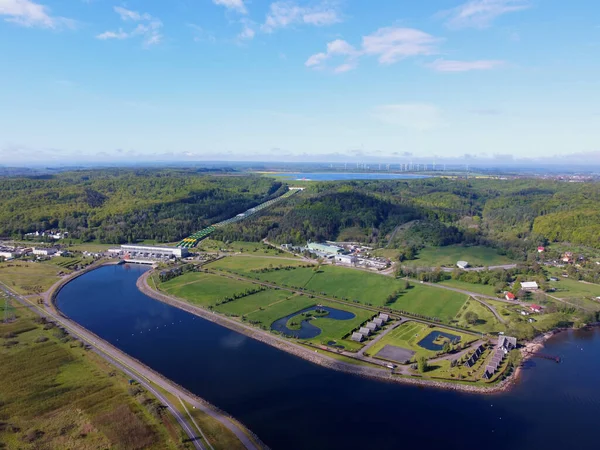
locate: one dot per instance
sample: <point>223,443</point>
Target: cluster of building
<point>49,234</point>
<point>9,253</point>
<point>148,252</point>
<point>351,254</point>
<point>370,327</point>
<point>505,345</point>
<point>475,356</point>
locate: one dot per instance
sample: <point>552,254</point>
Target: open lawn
<point>484,289</point>
<point>486,323</point>
<point>568,288</point>
<point>204,289</point>
<point>56,395</point>
<point>332,329</point>
<point>266,317</point>
<point>371,289</point>
<point>448,256</point>
<point>29,277</point>
<point>409,334</point>
<point>254,302</point>
<point>246,264</point>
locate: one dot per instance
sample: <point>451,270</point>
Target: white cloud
<point>481,13</point>
<point>148,29</point>
<point>247,33</point>
<point>286,13</point>
<point>443,65</point>
<point>30,14</point>
<point>413,116</point>
<point>389,45</point>
<point>234,5</point>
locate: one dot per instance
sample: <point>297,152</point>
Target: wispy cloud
<point>481,13</point>
<point>200,34</point>
<point>247,32</point>
<point>233,5</point>
<point>413,116</point>
<point>31,14</point>
<point>445,65</point>
<point>389,45</point>
<point>148,27</point>
<point>283,14</point>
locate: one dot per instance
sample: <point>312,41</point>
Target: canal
<point>292,404</point>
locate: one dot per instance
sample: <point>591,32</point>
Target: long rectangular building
<point>146,251</point>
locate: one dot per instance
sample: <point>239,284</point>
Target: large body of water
<point>293,404</point>
<point>336,176</point>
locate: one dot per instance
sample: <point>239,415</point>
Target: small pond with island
<point>307,330</point>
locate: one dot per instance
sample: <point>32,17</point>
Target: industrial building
<point>144,251</point>
<point>324,248</point>
<point>44,251</point>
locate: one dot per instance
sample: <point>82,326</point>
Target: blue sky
<point>103,80</point>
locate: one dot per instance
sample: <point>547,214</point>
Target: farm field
<point>254,302</point>
<point>246,264</point>
<point>56,395</point>
<point>29,277</point>
<point>409,334</point>
<point>204,289</point>
<point>297,278</point>
<point>448,256</point>
<point>484,289</point>
<point>69,263</point>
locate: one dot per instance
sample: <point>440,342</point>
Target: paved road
<point>479,269</point>
<point>144,376</point>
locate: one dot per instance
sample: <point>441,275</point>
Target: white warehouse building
<point>145,251</point>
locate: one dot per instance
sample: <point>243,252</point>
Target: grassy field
<point>484,289</point>
<point>253,302</point>
<point>246,264</point>
<point>56,395</point>
<point>409,334</point>
<point>29,277</point>
<point>487,322</point>
<point>370,289</point>
<point>204,289</point>
<point>448,256</point>
<point>332,329</point>
<point>568,288</point>
<point>266,317</point>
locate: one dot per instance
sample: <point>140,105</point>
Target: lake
<point>292,404</point>
<point>338,176</point>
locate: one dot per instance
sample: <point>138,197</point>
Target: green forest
<point>118,206</point>
<point>131,205</point>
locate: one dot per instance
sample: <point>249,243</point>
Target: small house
<point>510,296</point>
<point>384,317</point>
<point>536,308</point>
<point>364,331</point>
<point>357,337</point>
<point>462,264</point>
<point>541,249</point>
<point>371,326</point>
<point>378,321</point>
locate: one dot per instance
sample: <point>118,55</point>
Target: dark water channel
<point>428,342</point>
<point>308,330</point>
<point>293,404</point>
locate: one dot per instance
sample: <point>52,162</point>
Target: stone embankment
<point>308,354</point>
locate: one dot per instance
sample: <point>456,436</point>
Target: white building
<point>6,254</point>
<point>44,251</point>
<point>529,285</point>
<point>462,264</point>
<point>144,251</point>
<point>357,337</point>
<point>345,259</point>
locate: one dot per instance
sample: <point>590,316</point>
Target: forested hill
<point>117,206</point>
<point>512,215</point>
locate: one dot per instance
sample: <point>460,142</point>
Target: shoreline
<point>314,357</point>
<point>208,408</point>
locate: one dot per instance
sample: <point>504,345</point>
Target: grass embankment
<point>253,248</point>
<point>30,277</point>
<point>448,256</point>
<point>486,321</point>
<point>410,333</point>
<point>56,395</point>
<point>484,289</point>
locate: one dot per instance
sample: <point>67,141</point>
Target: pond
<point>308,330</point>
<point>428,342</point>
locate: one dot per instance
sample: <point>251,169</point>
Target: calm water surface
<point>336,176</point>
<point>293,404</point>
